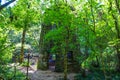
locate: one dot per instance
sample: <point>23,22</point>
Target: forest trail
<point>48,75</point>
<point>35,74</point>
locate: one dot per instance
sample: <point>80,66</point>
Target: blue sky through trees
<point>4,1</point>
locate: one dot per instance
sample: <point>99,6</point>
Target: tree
<point>58,29</point>
<point>24,16</point>
<point>116,25</point>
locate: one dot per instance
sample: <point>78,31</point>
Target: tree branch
<point>6,4</point>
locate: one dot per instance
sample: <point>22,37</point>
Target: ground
<point>48,75</point>
<point>35,74</point>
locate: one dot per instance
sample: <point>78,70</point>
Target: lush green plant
<point>8,73</point>
<point>99,75</point>
<point>25,63</point>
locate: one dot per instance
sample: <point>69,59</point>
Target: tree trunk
<point>65,64</point>
<point>117,5</point>
<point>28,62</point>
<point>47,59</point>
<point>41,40</point>
<point>66,51</point>
<point>117,32</point>
<point>40,45</point>
<point>118,37</point>
<point>22,45</point>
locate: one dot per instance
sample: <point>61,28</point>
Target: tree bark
<point>116,24</point>
<point>118,37</point>
<point>65,64</point>
<point>117,5</point>
<point>22,45</point>
<point>66,51</point>
<point>41,45</point>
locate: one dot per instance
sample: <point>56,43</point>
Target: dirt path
<point>48,75</point>
<point>35,74</point>
<point>44,75</point>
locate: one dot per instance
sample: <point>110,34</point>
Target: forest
<point>59,39</point>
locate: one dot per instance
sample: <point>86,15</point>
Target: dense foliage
<point>89,29</point>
